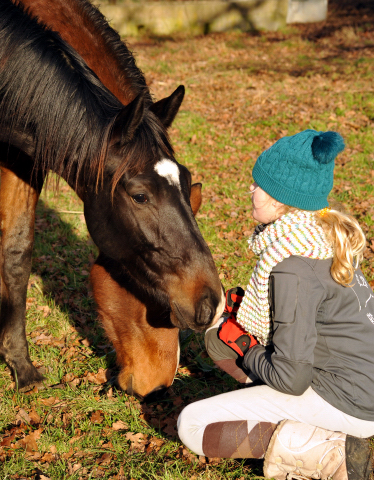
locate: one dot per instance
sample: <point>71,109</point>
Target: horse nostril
<point>199,319</point>
<point>205,314</point>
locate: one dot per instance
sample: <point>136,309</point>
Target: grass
<point>243,93</point>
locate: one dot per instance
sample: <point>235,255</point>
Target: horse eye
<point>140,198</point>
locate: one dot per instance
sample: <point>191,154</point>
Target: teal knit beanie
<point>298,171</point>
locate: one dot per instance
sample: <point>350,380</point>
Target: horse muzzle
<point>148,397</point>
<point>206,313</point>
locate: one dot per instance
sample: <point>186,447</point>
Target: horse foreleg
<point>17,213</point>
<point>147,345</point>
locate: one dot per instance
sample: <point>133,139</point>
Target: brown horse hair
<point>124,79</point>
<point>48,94</point>
<point>128,80</point>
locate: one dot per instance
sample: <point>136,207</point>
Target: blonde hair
<point>347,238</point>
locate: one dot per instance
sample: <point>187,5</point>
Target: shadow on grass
<point>62,258</point>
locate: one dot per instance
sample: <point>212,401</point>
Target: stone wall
<point>131,18</point>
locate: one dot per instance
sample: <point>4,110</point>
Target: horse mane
<point>130,78</point>
<point>48,93</point>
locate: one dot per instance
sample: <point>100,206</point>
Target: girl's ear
<point>279,208</point>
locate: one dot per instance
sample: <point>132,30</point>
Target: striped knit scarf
<point>292,234</point>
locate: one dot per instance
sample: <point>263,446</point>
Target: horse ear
<point>128,120</point>
<point>196,197</point>
<point>167,108</point>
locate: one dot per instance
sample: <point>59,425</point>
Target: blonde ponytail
<point>348,241</point>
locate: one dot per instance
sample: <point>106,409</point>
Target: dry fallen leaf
<point>68,454</point>
<point>154,445</point>
<point>170,428</point>
<point>30,440</point>
<point>48,457</point>
<point>137,440</point>
<point>6,441</point>
<point>22,417</point>
<point>100,377</point>
<point>190,457</point>
<point>49,401</point>
<point>120,425</point>
<point>74,467</point>
<point>85,342</point>
<point>105,459</point>
<point>34,417</point>
<point>97,417</point>
<point>74,383</point>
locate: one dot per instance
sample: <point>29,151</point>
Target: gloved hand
<point>235,336</point>
<point>233,298</point>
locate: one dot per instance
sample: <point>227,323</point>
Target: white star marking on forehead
<point>169,170</point>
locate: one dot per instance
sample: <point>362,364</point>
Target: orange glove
<point>235,336</point>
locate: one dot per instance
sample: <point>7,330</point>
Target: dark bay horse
<point>104,135</point>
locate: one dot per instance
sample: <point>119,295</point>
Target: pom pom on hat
<point>298,170</point>
<point>326,146</point>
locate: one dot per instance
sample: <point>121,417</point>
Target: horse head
<point>145,221</point>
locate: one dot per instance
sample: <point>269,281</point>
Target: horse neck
<point>82,26</point>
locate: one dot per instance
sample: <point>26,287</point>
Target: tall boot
<point>233,440</point>
<point>301,451</point>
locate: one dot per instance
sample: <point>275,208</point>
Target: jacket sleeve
<point>287,365</point>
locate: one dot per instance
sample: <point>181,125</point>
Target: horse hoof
<point>32,386</point>
<point>30,378</point>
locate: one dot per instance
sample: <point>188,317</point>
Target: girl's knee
<point>191,429</point>
<point>184,419</point>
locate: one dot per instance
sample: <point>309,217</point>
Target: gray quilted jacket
<point>323,336</point>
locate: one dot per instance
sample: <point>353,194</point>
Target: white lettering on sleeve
<point>362,281</point>
<point>371,296</point>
